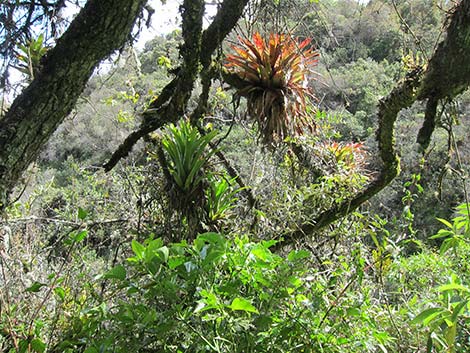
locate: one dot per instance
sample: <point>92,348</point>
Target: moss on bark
<point>100,28</point>
<point>169,107</point>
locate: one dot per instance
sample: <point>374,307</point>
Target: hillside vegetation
<point>233,224</point>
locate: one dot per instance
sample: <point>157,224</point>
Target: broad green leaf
<point>153,250</point>
<point>153,264</point>
<point>453,286</point>
<point>298,255</point>
<point>138,249</point>
<point>449,243</point>
<point>78,237</point>
<point>60,292</point>
<point>174,262</point>
<point>427,315</point>
<point>23,346</point>
<point>163,253</point>
<point>243,305</point>
<point>463,209</point>
<point>212,256</point>
<point>442,233</point>
<point>118,272</point>
<point>212,238</point>
<point>38,346</point>
<point>268,243</point>
<point>82,213</point>
<point>353,312</point>
<point>445,222</point>
<point>35,287</point>
<point>262,253</point>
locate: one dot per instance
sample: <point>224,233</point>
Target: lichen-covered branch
<point>448,71</point>
<point>101,27</point>
<point>198,54</point>
<point>447,74</point>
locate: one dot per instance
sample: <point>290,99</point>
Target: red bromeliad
<point>274,76</point>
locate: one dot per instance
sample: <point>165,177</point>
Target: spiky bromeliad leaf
<point>187,154</point>
<point>187,151</point>
<point>275,76</point>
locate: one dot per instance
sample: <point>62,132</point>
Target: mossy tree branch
<point>101,27</point>
<point>198,54</point>
<point>446,76</point>
<point>448,72</point>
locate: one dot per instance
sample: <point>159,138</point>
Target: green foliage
<point>457,232</point>
<point>221,197</point>
<point>220,295</point>
<point>39,294</point>
<point>187,151</point>
<point>364,82</point>
<point>161,52</point>
<point>447,317</point>
<point>30,56</point>
<point>94,266</point>
<point>453,305</point>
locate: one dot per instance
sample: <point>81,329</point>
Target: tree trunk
<point>101,27</point>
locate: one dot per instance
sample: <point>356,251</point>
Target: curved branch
<point>195,51</point>
<point>400,98</point>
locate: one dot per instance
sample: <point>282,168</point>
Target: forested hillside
<point>273,176</point>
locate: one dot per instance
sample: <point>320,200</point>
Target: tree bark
<point>100,28</point>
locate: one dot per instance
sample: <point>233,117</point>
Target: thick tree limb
<point>162,112</point>
<point>448,72</point>
<point>101,27</point>
<point>447,75</point>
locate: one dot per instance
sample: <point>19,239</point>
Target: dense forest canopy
<point>274,176</point>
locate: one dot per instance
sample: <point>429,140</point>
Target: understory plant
<point>224,295</point>
<point>447,316</point>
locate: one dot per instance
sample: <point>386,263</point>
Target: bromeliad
<point>273,75</point>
